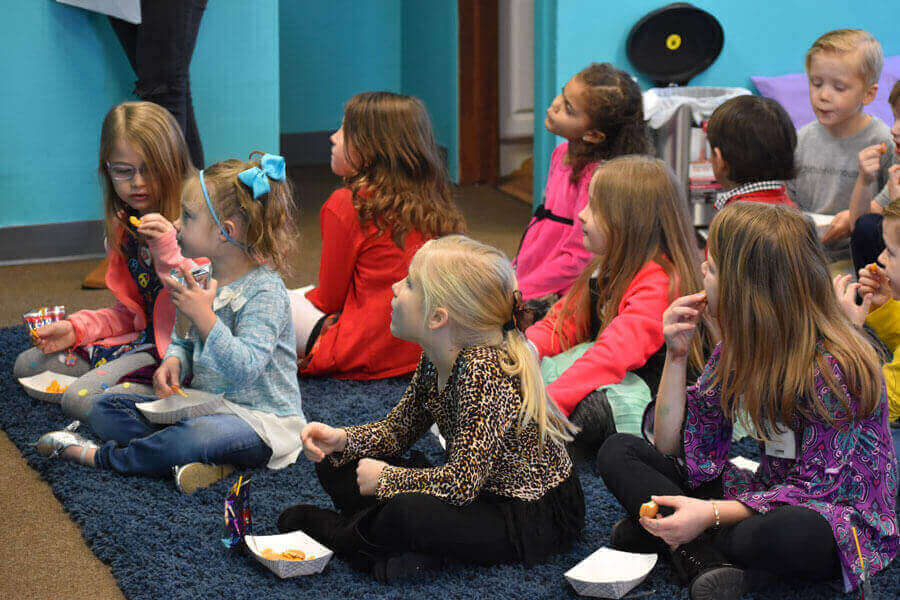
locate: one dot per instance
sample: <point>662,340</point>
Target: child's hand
<point>846,295</point>
<point>839,228</point>
<point>691,518</point>
<point>320,440</point>
<point>55,336</point>
<point>873,282</point>
<point>680,323</point>
<point>154,225</point>
<point>367,472</point>
<point>894,182</point>
<point>870,162</point>
<point>167,377</point>
<point>194,301</point>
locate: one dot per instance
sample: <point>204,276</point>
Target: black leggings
<point>160,50</point>
<point>788,541</point>
<point>478,532</point>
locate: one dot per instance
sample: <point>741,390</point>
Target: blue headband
<point>215,217</point>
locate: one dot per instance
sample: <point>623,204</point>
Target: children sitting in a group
<point>753,142</point>
<point>805,382</point>
<point>610,322</point>
<point>397,195</point>
<point>843,67</point>
<point>143,164</point>
<point>508,491</point>
<point>600,113</point>
<point>240,348</point>
<point>865,238</point>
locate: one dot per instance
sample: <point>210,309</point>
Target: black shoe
<point>628,536</point>
<point>318,523</point>
<point>405,565</point>
<point>707,572</point>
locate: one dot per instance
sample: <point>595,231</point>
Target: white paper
<point>127,10</point>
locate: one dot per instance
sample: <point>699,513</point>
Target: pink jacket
<point>123,322</point>
<point>552,253</point>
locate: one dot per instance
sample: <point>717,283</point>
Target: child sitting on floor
<point>239,350</point>
<point>508,491</point>
<point>396,196</point>
<point>753,142</point>
<point>843,68</point>
<point>805,382</point>
<point>600,113</point>
<point>143,163</point>
<point>866,241</point>
<point>604,338</point>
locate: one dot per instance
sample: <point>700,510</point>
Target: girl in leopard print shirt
<point>508,491</point>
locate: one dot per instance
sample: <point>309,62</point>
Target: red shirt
<point>357,268</point>
<point>767,196</point>
<point>631,338</point>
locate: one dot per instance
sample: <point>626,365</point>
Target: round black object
<point>674,43</point>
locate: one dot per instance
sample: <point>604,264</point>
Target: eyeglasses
<point>123,171</point>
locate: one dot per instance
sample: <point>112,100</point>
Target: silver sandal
<point>52,444</point>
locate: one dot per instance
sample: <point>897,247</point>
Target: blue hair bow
<point>271,166</point>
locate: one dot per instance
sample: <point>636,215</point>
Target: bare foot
<point>80,454</point>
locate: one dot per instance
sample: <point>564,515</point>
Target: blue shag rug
<point>160,543</point>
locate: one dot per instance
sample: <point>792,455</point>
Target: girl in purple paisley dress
<point>793,370</point>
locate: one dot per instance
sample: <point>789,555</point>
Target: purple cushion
<point>792,92</point>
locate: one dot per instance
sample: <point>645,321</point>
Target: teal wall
<point>333,50</point>
<point>63,69</point>
<point>430,70</point>
<point>761,38</point>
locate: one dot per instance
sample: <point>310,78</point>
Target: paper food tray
<point>296,540</point>
<point>176,408</point>
<point>609,573</point>
<point>36,385</point>
<point>822,222</point>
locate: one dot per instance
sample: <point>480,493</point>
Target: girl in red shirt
<point>636,225</point>
<point>396,196</point>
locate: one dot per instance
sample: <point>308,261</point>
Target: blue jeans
<point>136,446</point>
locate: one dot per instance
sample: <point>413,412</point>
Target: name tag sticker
<point>783,445</point>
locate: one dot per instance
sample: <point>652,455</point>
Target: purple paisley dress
<point>848,475</point>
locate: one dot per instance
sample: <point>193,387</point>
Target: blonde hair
<point>779,317</point>
<point>475,283</point>
<point>400,181</point>
<point>154,133</point>
<point>892,210</point>
<point>641,204</point>
<point>845,41</point>
<point>269,222</point>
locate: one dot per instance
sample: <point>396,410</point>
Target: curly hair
<point>400,182</point>
<point>270,226</point>
<point>615,106</point>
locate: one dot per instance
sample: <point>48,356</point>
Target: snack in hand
<point>649,509</point>
<point>883,148</point>
<point>134,221</point>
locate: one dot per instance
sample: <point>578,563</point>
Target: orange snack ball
<point>134,221</point>
<point>883,149</point>
<point>649,509</point>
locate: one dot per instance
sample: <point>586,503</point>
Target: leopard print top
<point>478,414</point>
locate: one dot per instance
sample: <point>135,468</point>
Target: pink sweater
<point>123,322</point>
<point>552,254</point>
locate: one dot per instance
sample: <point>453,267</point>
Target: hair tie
<point>522,315</point>
<point>215,216</point>
<point>271,166</point>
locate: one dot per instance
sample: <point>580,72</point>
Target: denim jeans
<point>136,446</point>
<point>160,50</point>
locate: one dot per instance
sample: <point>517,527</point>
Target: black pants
<point>788,541</point>
<point>866,242</point>
<point>160,50</point>
<point>478,532</point>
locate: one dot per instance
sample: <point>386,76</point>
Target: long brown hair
<point>155,135</point>
<point>400,182</point>
<point>615,106</point>
<point>475,283</point>
<point>643,208</point>
<point>779,316</point>
<point>269,222</point>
